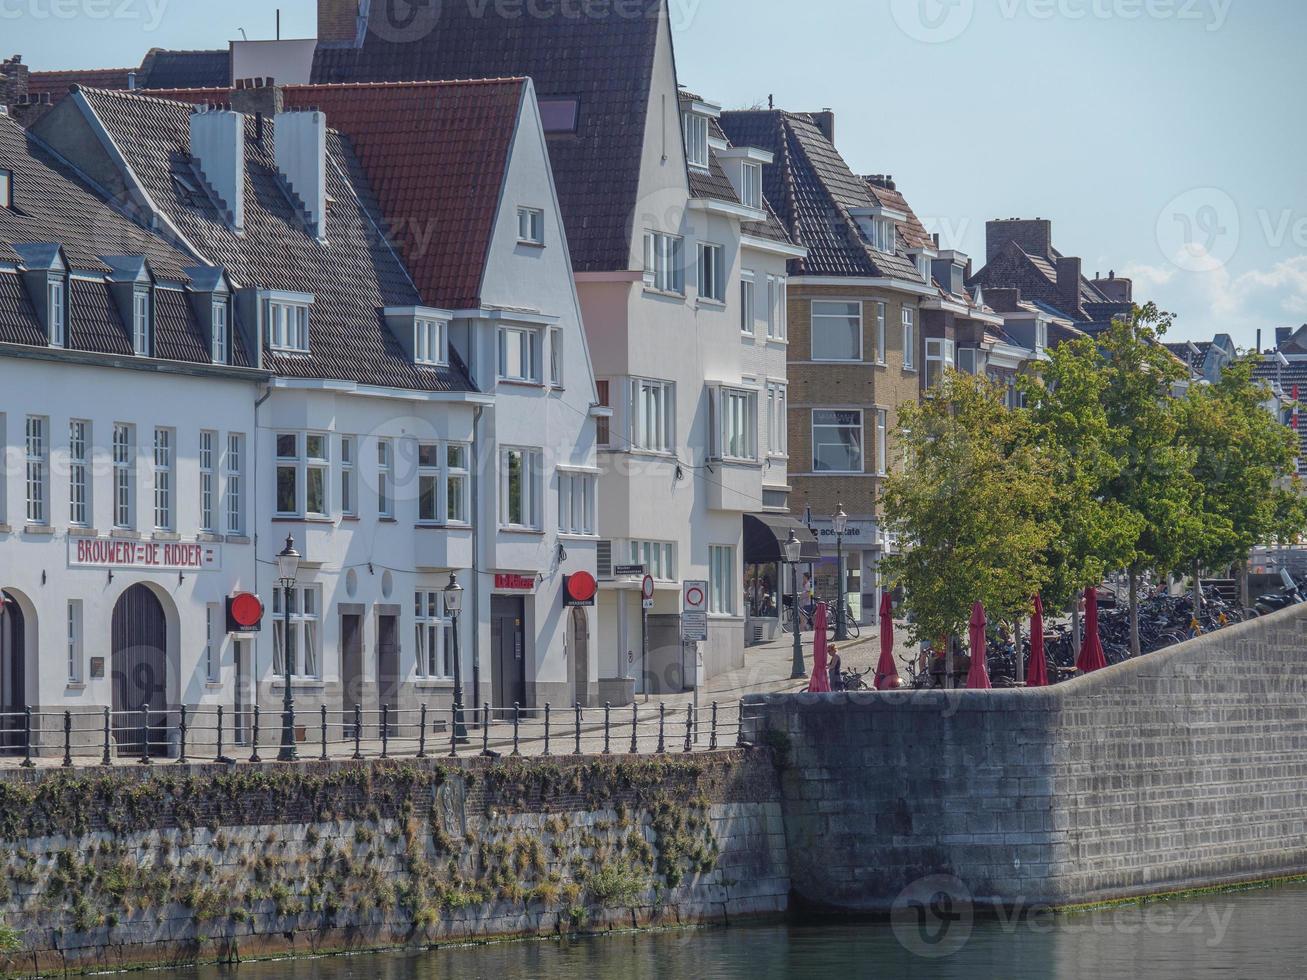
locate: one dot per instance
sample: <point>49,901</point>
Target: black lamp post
<point>288,568</point>
<point>793,552</point>
<point>453,604</point>
<point>841,524</point>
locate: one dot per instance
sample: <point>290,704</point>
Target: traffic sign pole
<point>646,602</point>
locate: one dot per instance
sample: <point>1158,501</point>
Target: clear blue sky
<point>1163,137</point>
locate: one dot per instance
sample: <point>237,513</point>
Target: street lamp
<point>793,552</point>
<point>288,569</point>
<point>453,605</point>
<point>841,524</point>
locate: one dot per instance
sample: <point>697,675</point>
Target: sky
<point>1163,138</point>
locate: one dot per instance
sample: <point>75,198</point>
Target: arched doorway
<point>13,673</point>
<point>140,671</point>
<point>580,645</point>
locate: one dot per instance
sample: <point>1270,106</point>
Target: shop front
<point>861,546</point>
<point>768,577</point>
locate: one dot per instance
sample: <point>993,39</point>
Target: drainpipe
<point>476,559</point>
<point>252,526</point>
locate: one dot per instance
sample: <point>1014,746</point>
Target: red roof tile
<point>57,83</point>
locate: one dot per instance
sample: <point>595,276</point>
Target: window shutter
<point>604,560</point>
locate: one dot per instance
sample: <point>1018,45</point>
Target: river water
<point>1253,934</point>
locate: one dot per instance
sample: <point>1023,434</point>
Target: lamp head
<point>841,520</point>
<point>288,562</point>
<point>793,548</point>
<point>453,595</point>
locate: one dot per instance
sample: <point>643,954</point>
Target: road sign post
<point>646,603</point>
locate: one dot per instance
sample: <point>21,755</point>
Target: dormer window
<point>519,355</point>
<point>221,332</point>
<point>430,342</point>
<point>288,327</point>
<point>141,322</point>
<point>6,189</point>
<point>884,235</point>
<point>696,140</point>
<point>57,304</point>
<point>751,186</point>
<point>923,267</point>
<point>530,226</point>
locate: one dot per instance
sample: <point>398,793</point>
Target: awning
<point>765,536</point>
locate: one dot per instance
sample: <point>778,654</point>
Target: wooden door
<point>140,670</point>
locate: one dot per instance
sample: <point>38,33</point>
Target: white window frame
<point>695,128</point>
<point>556,353</point>
<point>386,479</point>
<point>124,476</point>
<point>430,342</point>
<point>288,327</point>
<point>530,226</point>
<point>909,339</point>
<point>208,481</point>
<point>748,304</point>
<point>664,262</point>
<point>37,448</point>
<point>306,632</point>
<point>778,312</point>
<point>57,305</point>
<point>751,185</point>
<point>722,587</point>
<point>79,473</point>
<point>657,557</point>
<point>457,505</point>
<point>577,492</point>
<point>433,636</point>
<point>843,317</point>
<point>882,442</point>
<point>530,466</point>
<point>164,461</point>
<point>778,435</point>
<point>523,344</point>
<point>652,415</point>
<point>970,360</point>
<point>884,235</point>
<point>221,333</point>
<point>940,355</point>
<point>6,188</point>
<point>882,313</point>
<point>141,326</point>
<point>234,466</point>
<point>317,469</point>
<point>838,425</point>
<point>349,482</point>
<point>76,641</point>
<point>712,272</point>
<point>736,432</point>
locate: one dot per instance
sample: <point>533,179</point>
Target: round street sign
<point>647,590</point>
<point>694,597</point>
<point>246,610</point>
<point>581,587</point>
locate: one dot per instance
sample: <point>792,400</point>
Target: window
<point>163,461</point>
<point>603,425</point>
<point>211,646</point>
<point>4,469</point>
<point>777,308</point>
<point>971,360</point>
<point>349,505</point>
<point>303,465</point>
<point>316,469</point>
<point>884,235</point>
<point>653,407</point>
<point>519,354</point>
<point>576,502</point>
<point>75,641</point>
<point>1041,336</point>
<point>748,315</point>
<point>556,357</point>
<point>664,267</point>
<point>836,331</point>
<point>302,642</point>
<point>56,290</point>
<point>939,358</point>
<point>923,267</point>
<point>657,557</point>
<point>712,272</point>
<point>430,342</point>
<point>880,333</point>
<point>79,465</point>
<point>435,640</point>
<point>288,454</point>
<point>909,339</point>
<point>721,581</point>
<point>559,115</point>
<point>221,333</point>
<point>882,442</point>
<point>289,327</point>
<point>141,322</point>
<point>737,431</point>
<point>6,189</point>
<point>38,470</point>
<point>531,226</point>
<point>208,509</point>
<point>458,483</point>
<point>751,186</point>
<point>124,476</point>
<point>777,428</point>
<point>428,483</point>
<point>235,486</point>
<point>696,140</point>
<point>385,479</point>
<point>837,441</point>
<point>519,489</point>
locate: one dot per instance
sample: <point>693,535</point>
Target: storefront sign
<point>515,583</point>
<point>146,556</point>
<point>865,534</point>
<point>579,589</point>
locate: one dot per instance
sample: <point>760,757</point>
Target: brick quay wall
<point>1186,769</point>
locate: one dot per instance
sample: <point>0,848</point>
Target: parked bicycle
<point>808,615</point>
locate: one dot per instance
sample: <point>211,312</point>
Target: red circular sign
<point>581,587</point>
<point>246,609</point>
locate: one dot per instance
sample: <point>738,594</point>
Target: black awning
<point>765,536</point>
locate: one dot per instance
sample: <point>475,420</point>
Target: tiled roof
<point>185,69</point>
<point>353,274</point>
<point>913,231</point>
<point>19,323</point>
<point>812,190</point>
<point>716,185</point>
<point>1036,276</point>
<point>57,83</point>
<point>606,63</point>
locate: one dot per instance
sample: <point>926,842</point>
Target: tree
<point>971,500</point>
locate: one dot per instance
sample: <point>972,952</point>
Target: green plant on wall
<point>10,940</point>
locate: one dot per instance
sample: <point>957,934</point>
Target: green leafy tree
<point>971,501</point>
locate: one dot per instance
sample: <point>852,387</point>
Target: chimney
<point>1068,283</point>
<point>218,149</point>
<point>13,81</point>
<point>1034,237</point>
<point>1116,290</point>
<point>301,152</point>
<point>257,97</point>
<point>338,22</point>
<point>825,121</point>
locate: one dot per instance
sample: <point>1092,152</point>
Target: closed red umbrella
<point>820,683</point>
<point>887,672</point>
<point>1092,657</point>
<point>978,678</point>
<point>1037,673</point>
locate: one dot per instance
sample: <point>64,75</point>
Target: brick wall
<point>1185,769</point>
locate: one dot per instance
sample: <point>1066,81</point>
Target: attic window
<point>6,189</point>
<point>751,186</point>
<point>141,322</point>
<point>559,115</point>
<point>696,140</point>
<point>430,342</point>
<point>57,291</point>
<point>289,327</point>
<point>883,235</point>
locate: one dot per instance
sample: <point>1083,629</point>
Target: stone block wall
<point>1184,769</point>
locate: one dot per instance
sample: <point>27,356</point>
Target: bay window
<point>652,410</point>
<point>939,360</point>
<point>737,423</point>
<point>836,331</point>
<point>303,464</point>
<point>443,480</point>
<point>837,441</point>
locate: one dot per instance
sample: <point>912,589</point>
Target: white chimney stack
<point>301,142</point>
<point>218,148</point>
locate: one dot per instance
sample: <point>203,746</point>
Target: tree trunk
<point>1135,649</point>
<point>1019,654</point>
<point>1198,593</point>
